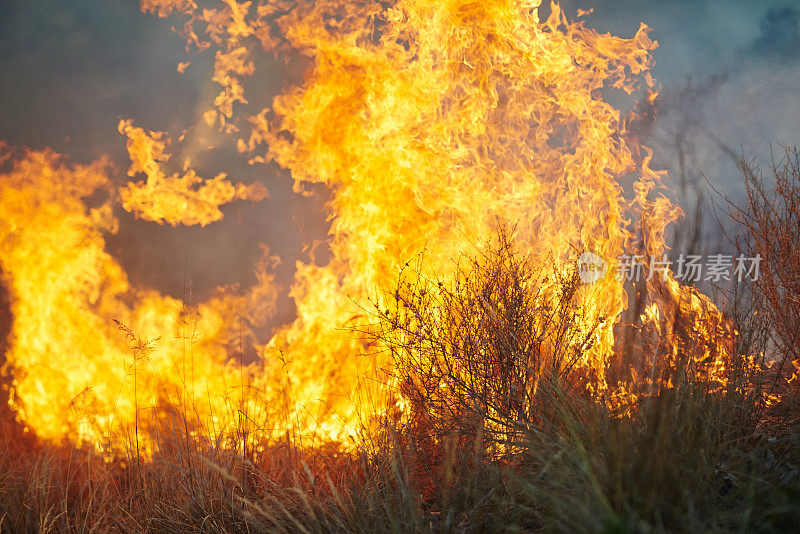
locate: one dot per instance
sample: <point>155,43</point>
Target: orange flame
<point>428,121</point>
<point>187,199</point>
<point>74,372</point>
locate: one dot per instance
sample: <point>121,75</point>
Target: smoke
<point>727,69</point>
<point>746,104</point>
<point>729,76</point>
<point>780,34</point>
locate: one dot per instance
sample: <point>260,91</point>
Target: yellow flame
<point>176,199</point>
<point>430,122</point>
<point>74,372</point>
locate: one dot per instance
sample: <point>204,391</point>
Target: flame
<point>187,199</point>
<point>461,113</point>
<point>75,372</point>
<point>430,122</point>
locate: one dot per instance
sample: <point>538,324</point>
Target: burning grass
<point>687,461</point>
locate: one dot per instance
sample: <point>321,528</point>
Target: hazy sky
<point>71,69</point>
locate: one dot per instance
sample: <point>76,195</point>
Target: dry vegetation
<point>510,443</point>
<point>769,224</point>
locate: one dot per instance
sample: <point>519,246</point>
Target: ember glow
<point>430,122</point>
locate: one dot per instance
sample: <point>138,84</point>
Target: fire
<point>430,122</point>
<point>187,199</point>
<point>74,372</point>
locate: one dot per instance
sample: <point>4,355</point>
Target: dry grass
<point>686,461</point>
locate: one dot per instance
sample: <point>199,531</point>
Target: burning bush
<point>478,359</point>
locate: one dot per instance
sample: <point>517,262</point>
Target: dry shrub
<point>769,224</point>
<point>478,359</point>
<point>770,218</point>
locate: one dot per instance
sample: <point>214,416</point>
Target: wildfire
<point>430,122</point>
